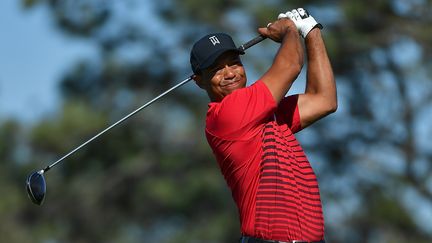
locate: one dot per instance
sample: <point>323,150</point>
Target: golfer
<point>251,129</point>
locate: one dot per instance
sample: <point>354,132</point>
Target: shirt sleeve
<point>288,113</point>
<point>239,115</point>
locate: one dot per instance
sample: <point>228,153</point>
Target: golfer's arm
<point>320,97</point>
<point>286,66</point>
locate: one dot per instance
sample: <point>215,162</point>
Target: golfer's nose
<point>228,72</point>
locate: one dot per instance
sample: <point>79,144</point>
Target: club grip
<point>252,42</point>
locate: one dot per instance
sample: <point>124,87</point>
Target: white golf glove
<point>302,19</point>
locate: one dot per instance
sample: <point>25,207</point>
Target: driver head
<point>36,187</point>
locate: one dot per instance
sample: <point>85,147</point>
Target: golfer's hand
<point>302,19</point>
<point>278,29</point>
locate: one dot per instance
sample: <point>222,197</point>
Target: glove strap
<point>319,26</point>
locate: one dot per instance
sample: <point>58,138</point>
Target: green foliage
<point>8,139</point>
<point>76,122</point>
<point>154,179</point>
<point>209,11</point>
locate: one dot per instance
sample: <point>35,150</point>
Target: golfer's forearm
<point>289,58</point>
<point>320,78</point>
<point>286,66</point>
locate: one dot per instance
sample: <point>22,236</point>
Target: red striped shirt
<point>270,177</point>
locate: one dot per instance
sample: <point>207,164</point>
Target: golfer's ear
<point>199,80</point>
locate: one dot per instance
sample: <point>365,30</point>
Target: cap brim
<point>212,59</point>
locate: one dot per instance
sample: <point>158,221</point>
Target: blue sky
<point>33,57</point>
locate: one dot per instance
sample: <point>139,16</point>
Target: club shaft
<point>252,42</point>
<point>243,47</point>
<point>118,122</point>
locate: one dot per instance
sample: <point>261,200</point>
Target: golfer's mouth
<point>230,84</point>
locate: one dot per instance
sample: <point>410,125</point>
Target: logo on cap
<point>214,40</point>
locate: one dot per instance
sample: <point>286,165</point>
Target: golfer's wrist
<point>313,34</point>
<point>290,30</point>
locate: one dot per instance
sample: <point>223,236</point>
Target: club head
<point>36,187</point>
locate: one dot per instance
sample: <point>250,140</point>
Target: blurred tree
<point>154,179</point>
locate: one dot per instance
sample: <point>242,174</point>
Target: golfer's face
<point>225,75</point>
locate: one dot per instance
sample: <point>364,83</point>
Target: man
<point>250,129</point>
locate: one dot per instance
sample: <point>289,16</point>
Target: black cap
<point>206,50</point>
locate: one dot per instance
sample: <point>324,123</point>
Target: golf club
<point>35,183</point>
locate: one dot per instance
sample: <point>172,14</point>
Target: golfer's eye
<point>220,70</point>
<point>234,61</point>
<point>215,69</point>
<point>234,65</point>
